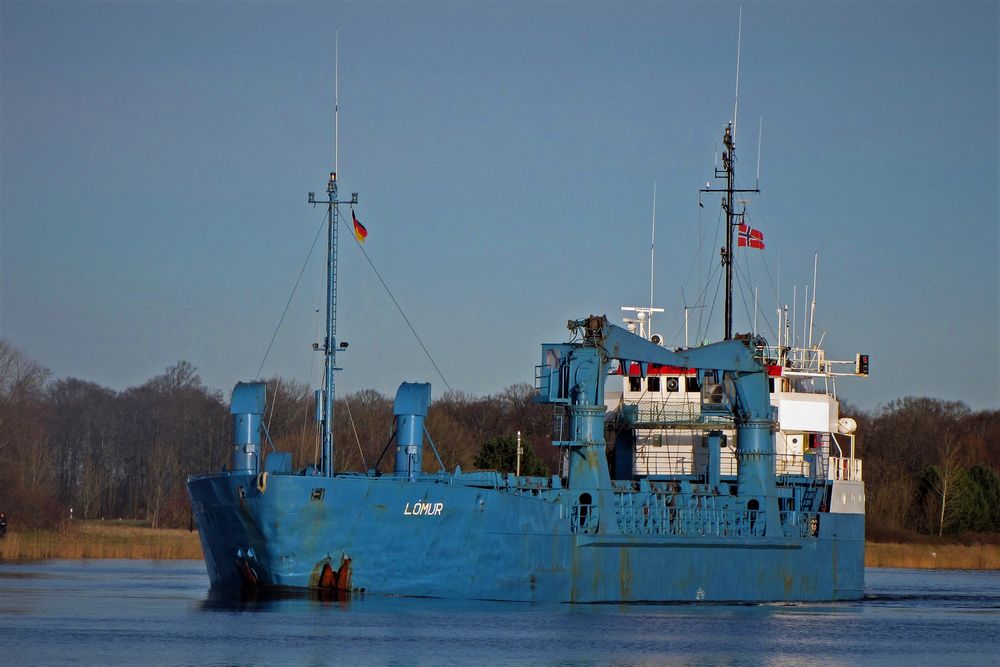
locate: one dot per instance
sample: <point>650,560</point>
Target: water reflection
<point>126,613</point>
<point>275,599</point>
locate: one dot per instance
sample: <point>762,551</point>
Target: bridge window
<point>635,384</point>
<point>692,383</point>
<point>654,384</point>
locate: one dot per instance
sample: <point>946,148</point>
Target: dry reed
<point>933,556</point>
<point>100,540</point>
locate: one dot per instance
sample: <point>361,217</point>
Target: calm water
<point>159,613</point>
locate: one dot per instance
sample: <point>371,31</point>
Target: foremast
<point>325,396</point>
<point>733,217</point>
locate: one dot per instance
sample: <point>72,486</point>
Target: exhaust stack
<point>247,408</point>
<point>410,409</point>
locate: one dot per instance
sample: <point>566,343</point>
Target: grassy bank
<point>96,539</point>
<point>933,556</point>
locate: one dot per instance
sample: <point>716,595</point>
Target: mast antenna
<point>728,172</point>
<point>777,295</point>
<point>325,398</point>
<point>739,40</point>
<point>760,136</point>
<point>652,256</point>
<point>812,312</point>
<point>336,101</point>
<point>795,310</point>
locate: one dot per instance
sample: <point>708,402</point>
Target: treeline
<point>930,466</point>
<point>69,443</point>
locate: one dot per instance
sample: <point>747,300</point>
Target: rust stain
<point>625,575</point>
<point>317,573</point>
<point>344,575</point>
<point>326,578</point>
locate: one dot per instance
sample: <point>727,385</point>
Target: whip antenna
<point>336,101</point>
<point>652,256</point>
<point>739,40</point>
<point>760,137</point>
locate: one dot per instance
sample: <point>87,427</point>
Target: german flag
<point>360,233</point>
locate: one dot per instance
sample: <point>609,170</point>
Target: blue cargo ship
<point>732,478</point>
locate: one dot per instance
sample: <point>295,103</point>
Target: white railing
<point>652,460</point>
<point>844,469</point>
<point>792,464</point>
<point>649,461</point>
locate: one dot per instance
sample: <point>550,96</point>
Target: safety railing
<point>654,461</point>
<point>844,469</point>
<point>653,519</point>
<point>662,463</point>
<point>584,518</point>
<point>678,413</point>
<point>808,465</point>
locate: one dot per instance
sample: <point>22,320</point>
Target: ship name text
<point>421,508</point>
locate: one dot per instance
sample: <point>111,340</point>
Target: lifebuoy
<point>262,482</point>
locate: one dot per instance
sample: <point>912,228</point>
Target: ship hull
<point>386,535</point>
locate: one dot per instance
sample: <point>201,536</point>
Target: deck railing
<point>584,518</point>
<point>653,519</point>
<point>844,469</point>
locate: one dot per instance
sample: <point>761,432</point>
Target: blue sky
<point>156,158</point>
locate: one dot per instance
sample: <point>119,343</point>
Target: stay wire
<point>744,282</point>
<point>400,309</point>
<point>290,297</point>
<point>354,428</point>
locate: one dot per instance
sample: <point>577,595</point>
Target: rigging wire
<point>290,296</point>
<point>703,333</point>
<point>277,388</point>
<point>714,275</point>
<point>355,429</point>
<point>400,309</point>
<point>743,282</point>
<point>312,369</point>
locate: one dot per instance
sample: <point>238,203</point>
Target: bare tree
<point>949,466</point>
<point>26,474</point>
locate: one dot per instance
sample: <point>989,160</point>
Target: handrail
<point>844,469</point>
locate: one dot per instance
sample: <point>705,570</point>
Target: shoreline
<point>96,539</point>
<point>101,539</point>
<point>912,556</point>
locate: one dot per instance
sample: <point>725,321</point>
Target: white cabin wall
<point>817,413</point>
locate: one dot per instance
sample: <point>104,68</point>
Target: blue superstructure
<point>762,531</point>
